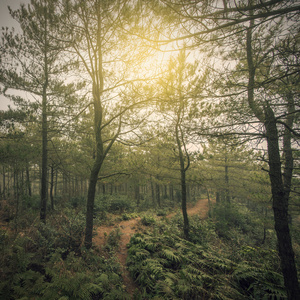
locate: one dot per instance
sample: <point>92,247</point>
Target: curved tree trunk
<point>183,169</point>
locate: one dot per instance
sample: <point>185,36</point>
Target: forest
<point>150,150</point>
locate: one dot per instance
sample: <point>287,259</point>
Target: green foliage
<point>67,236</point>
<point>172,268</point>
<point>167,266</point>
<point>129,216</point>
<point>32,202</point>
<point>201,231</point>
<point>49,263</point>
<point>78,202</point>
<point>162,212</point>
<point>148,220</point>
<point>113,239</point>
<point>75,279</point>
<point>113,203</point>
<point>259,283</point>
<point>230,218</point>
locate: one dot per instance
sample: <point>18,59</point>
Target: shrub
<point>169,267</point>
<point>66,232</point>
<point>77,202</point>
<point>31,201</point>
<point>162,212</point>
<point>27,274</point>
<point>202,232</point>
<point>113,204</point>
<point>229,218</point>
<point>259,283</point>
<point>78,278</point>
<point>128,216</point>
<point>113,239</point>
<point>148,220</point>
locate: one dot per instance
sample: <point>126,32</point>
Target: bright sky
<point>7,21</point>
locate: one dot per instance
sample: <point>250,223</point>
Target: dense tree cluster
<point>160,101</point>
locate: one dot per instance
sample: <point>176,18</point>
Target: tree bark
<point>137,195</point>
<point>280,208</point>
<point>183,170</point>
<point>28,181</point>
<point>186,227</point>
<point>287,145</point>
<point>157,192</point>
<point>52,186</point>
<point>44,177</point>
<point>4,185</point>
<point>280,194</point>
<point>152,191</point>
<point>90,202</point>
<point>227,195</point>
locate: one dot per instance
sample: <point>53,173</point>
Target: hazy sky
<point>7,21</point>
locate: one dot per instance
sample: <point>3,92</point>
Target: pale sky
<point>7,21</point>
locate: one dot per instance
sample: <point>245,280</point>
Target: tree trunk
<point>137,196</point>
<point>280,208</point>
<point>52,186</point>
<point>90,202</point>
<point>209,203</point>
<point>227,195</point>
<point>17,197</point>
<point>44,177</point>
<point>279,194</point>
<point>28,181</point>
<point>218,197</point>
<point>55,182</point>
<point>152,191</point>
<point>4,185</point>
<point>186,226</point>
<point>183,170</point>
<point>157,192</point>
<point>171,192</point>
<point>287,147</point>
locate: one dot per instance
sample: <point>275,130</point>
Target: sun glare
<point>156,61</point>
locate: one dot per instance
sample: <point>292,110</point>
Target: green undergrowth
<point>49,262</point>
<point>166,266</point>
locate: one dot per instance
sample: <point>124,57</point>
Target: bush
<point>78,202</point>
<point>162,212</point>
<point>168,267</point>
<point>128,216</point>
<point>231,220</point>
<point>31,201</point>
<point>202,232</point>
<point>37,265</point>
<point>113,204</point>
<point>148,220</point>
<point>65,232</point>
<point>113,239</point>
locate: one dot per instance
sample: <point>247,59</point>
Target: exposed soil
<point>129,228</point>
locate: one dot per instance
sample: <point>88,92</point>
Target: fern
<point>176,268</point>
<point>171,256</point>
<point>260,283</point>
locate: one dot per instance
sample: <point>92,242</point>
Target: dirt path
<point>129,228</point>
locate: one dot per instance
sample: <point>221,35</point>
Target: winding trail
<point>128,229</point>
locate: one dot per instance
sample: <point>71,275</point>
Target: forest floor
<point>129,228</point>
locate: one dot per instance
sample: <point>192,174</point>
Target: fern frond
<point>171,255</point>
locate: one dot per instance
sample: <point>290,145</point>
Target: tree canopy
<point>159,100</point>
